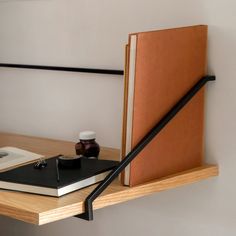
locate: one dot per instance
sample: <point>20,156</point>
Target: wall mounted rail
<point>68,69</point>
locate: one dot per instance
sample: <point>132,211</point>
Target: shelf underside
<point>40,210</point>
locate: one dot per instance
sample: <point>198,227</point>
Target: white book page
<point>131,82</point>
<point>11,156</point>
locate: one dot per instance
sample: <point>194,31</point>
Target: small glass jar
<point>87,145</point>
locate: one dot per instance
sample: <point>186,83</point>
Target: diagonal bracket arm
<point>88,214</point>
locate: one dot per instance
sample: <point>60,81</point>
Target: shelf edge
<point>124,194</point>
<point>166,183</point>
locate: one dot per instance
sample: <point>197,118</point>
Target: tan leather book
<point>163,66</point>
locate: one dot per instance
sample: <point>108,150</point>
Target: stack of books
<point>46,181</point>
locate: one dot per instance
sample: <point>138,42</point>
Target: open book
<point>11,157</point>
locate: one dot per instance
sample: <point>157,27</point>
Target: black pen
<point>57,169</point>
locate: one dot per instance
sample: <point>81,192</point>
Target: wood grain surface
<point>37,209</point>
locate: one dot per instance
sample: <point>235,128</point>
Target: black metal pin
<point>61,68</point>
<point>57,170</point>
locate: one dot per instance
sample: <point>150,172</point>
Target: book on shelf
<point>11,157</point>
<point>161,66</point>
<point>45,181</point>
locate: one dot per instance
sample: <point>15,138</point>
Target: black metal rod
<point>88,214</point>
<point>68,69</point>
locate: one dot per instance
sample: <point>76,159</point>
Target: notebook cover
<point>47,177</point>
<point>168,63</point>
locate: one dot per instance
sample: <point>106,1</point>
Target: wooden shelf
<point>40,210</point>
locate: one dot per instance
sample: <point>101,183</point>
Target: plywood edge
<point>19,214</point>
<point>117,193</point>
<point>60,213</point>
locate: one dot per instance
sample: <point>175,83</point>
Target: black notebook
<point>44,181</point>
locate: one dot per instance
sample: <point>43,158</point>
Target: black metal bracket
<point>88,214</point>
<point>68,69</point>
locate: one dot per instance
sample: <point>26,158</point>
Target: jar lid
<point>87,135</point>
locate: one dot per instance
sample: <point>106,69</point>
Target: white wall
<point>92,33</point>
